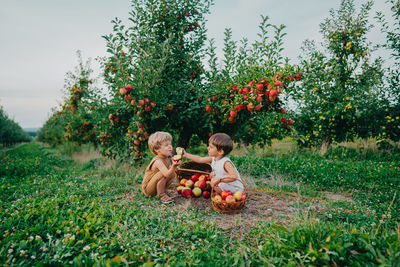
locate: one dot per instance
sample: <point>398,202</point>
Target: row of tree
<point>10,132</point>
<point>155,79</point>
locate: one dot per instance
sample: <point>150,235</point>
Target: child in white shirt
<point>219,146</point>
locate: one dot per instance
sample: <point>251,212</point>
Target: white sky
<point>39,40</point>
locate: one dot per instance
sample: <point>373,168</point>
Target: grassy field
<point>340,209</point>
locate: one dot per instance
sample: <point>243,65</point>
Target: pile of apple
<point>228,197</point>
<point>197,185</point>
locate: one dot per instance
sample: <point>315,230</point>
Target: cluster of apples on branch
<point>197,185</point>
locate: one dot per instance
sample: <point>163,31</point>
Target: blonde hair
<point>156,139</point>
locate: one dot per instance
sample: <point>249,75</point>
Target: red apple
<point>122,91</point>
<point>206,194</point>
<point>226,193</point>
<point>183,182</point>
<point>202,185</point>
<point>202,177</point>
<point>195,177</point>
<point>128,88</point>
<point>186,192</point>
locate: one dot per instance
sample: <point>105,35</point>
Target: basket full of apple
<point>228,202</point>
<point>194,179</point>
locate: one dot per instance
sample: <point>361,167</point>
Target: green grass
<point>54,211</point>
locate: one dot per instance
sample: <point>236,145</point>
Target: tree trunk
<point>183,141</point>
<point>325,145</point>
<point>244,146</point>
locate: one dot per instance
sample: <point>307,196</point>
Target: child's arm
<point>196,158</point>
<point>230,169</point>
<point>167,173</point>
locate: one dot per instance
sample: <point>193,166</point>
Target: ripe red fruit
<point>128,98</point>
<point>290,122</point>
<point>250,106</point>
<point>186,192</point>
<point>226,193</point>
<point>283,120</point>
<point>225,102</point>
<point>240,91</point>
<point>278,83</point>
<point>147,108</point>
<point>206,194</point>
<point>234,87</point>
<point>136,142</point>
<point>122,91</point>
<point>257,107</point>
<point>245,90</point>
<point>259,98</point>
<point>141,102</point>
<point>208,109</point>
<point>238,107</point>
<point>233,113</point>
<point>251,83</point>
<point>297,77</point>
<point>195,177</point>
<point>187,14</point>
<point>133,102</point>
<point>146,100</point>
<point>259,86</point>
<point>128,88</point>
<point>245,97</point>
<point>183,182</point>
<point>152,104</point>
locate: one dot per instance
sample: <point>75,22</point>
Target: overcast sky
<point>39,40</point>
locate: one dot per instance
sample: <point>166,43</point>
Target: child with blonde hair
<point>160,173</point>
<point>224,172</point>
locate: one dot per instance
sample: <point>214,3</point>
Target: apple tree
<point>390,124</point>
<point>339,85</point>
<point>245,94</point>
<point>154,75</point>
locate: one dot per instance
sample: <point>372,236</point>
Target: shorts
<point>150,188</point>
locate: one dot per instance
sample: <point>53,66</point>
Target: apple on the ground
<point>186,192</point>
<point>189,183</point>
<point>196,192</point>
<point>179,189</point>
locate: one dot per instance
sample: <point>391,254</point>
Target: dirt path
<point>5,149</point>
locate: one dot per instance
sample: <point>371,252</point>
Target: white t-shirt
<point>219,171</point>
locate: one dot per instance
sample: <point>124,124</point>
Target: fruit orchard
<point>161,75</point>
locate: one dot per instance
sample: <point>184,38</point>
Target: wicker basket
<point>188,168</point>
<point>228,208</point>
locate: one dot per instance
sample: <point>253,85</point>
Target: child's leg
<point>162,186</point>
